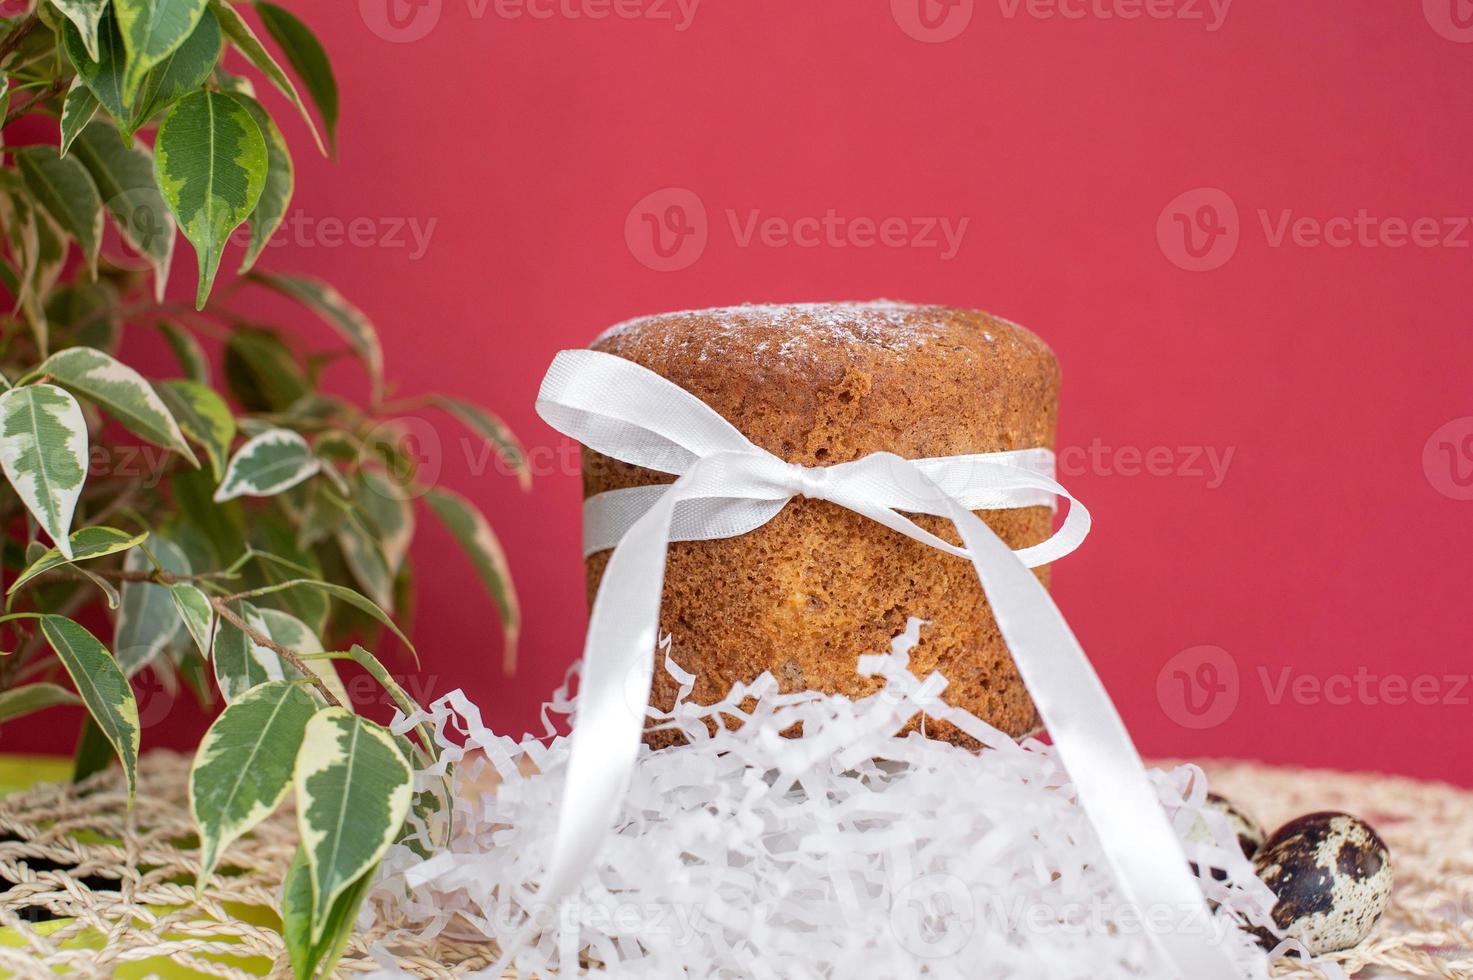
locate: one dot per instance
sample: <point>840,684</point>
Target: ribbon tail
<point>1109,777</point>
<point>618,659</point>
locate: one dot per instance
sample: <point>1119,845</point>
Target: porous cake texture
<point>806,594</point>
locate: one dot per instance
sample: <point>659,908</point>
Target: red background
<point>1331,545</point>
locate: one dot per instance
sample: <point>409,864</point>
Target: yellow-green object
<point>18,772</point>
<point>23,771</point>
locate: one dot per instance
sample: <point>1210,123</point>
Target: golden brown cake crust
<point>806,594</point>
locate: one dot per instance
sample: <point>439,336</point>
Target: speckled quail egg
<point>1247,830</point>
<point>1332,875</point>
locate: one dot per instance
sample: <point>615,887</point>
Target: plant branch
<point>55,88</point>
<point>21,32</point>
<point>222,609</point>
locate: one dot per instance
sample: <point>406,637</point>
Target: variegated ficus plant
<point>270,542</point>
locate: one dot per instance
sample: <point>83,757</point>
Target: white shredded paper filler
<point>844,853</point>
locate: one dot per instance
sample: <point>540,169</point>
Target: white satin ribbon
<point>727,486</point>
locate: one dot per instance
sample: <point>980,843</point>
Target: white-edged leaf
<point>241,663</point>
<point>388,513</point>
<point>243,768</point>
<point>344,594</point>
<point>496,433</point>
<point>474,535</point>
<point>203,416</point>
<point>182,72</point>
<point>89,542</point>
<point>20,701</point>
<point>43,450</point>
<point>353,793</point>
<point>351,323</point>
<point>122,391</point>
<point>196,613</point>
<point>63,187</point>
<point>100,70</point>
<point>210,161</point>
<point>77,111</point>
<point>152,30</point>
<point>102,686</point>
<point>277,192</point>
<point>267,464</point>
<point>124,178</point>
<point>366,560</point>
<point>147,619</point>
<point>245,40</point>
<point>311,959</point>
<point>86,15</point>
<point>298,637</point>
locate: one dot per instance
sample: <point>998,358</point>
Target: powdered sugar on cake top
<point>795,329</point>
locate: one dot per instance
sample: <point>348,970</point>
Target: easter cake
<point>809,592</point>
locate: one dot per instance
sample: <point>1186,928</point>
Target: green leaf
<point>268,464</point>
<point>85,314</point>
<point>295,635</point>
<point>86,15</point>
<point>125,180</point>
<point>63,187</point>
<point>196,613</point>
<point>367,562</point>
<point>203,416</point>
<point>20,701</point>
<point>111,384</point>
<point>305,55</point>
<point>277,194</point>
<point>101,70</point>
<point>94,753</point>
<point>180,73</point>
<point>353,791</point>
<point>187,351</point>
<point>243,768</point>
<point>344,594</point>
<point>23,222</point>
<point>89,542</point>
<point>77,111</point>
<point>475,537</point>
<point>350,322</point>
<point>245,40</point>
<point>152,30</point>
<point>263,373</point>
<point>147,620</point>
<point>494,431</point>
<point>210,159</point>
<point>102,686</point>
<point>311,959</point>
<point>240,662</point>
<point>388,514</point>
<point>43,450</point>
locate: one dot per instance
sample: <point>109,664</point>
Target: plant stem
<point>53,89</point>
<point>223,610</point>
<point>21,32</point>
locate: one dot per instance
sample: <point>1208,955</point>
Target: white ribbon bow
<point>727,486</point>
